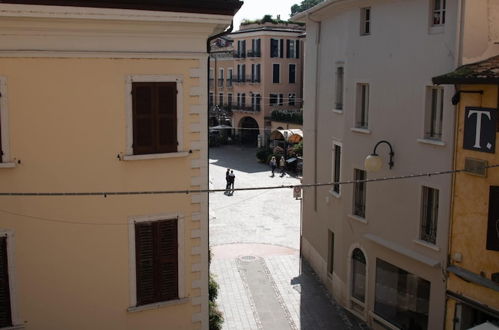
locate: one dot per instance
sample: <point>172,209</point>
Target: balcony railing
<point>254,108</point>
<point>253,53</point>
<point>237,54</point>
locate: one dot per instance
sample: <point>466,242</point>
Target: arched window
<point>358,275</point>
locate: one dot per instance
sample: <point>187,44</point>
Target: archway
<point>249,131</point>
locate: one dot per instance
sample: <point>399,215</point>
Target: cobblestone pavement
<point>254,237</point>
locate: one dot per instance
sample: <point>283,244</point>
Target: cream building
<point>381,247</point>
<point>111,97</point>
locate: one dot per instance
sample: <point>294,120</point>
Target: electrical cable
<point>105,194</point>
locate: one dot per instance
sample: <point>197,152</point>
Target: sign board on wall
<point>493,223</point>
<point>480,129</point>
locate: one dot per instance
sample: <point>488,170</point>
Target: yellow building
<point>105,96</point>
<point>473,270</point>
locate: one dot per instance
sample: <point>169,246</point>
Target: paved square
<point>254,237</point>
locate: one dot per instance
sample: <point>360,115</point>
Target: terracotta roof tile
<point>486,71</point>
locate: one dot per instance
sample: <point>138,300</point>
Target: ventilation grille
<point>476,166</point>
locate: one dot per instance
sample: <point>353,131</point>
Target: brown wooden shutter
<point>167,259</point>
<point>288,46</point>
<point>5,311</point>
<point>144,260</point>
<point>281,50</point>
<point>167,117</point>
<point>156,249</point>
<point>143,118</point>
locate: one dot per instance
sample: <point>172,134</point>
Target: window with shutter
<point>156,252</point>
<point>5,309</point>
<point>154,110</point>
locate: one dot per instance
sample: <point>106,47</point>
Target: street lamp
<point>373,162</point>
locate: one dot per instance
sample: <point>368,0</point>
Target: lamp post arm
<point>391,163</point>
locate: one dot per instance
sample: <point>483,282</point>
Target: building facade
<point>264,74</point>
<point>110,97</point>
<point>473,283</point>
<point>381,247</point>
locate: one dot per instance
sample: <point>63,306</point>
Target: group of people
<point>229,178</point>
<point>282,165</point>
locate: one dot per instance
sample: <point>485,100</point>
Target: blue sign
<point>480,129</point>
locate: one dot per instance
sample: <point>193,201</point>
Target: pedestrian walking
<point>227,181</point>
<point>232,178</point>
<point>282,166</point>
<point>273,165</point>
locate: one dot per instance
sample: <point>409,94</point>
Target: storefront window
<point>401,298</point>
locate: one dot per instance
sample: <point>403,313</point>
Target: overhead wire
<point>163,192</point>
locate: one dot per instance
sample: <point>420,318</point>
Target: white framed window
<point>243,100</point>
<point>291,99</point>
<point>220,98</point>
<point>358,280</point>
<point>276,47</point>
<point>229,77</point>
<point>359,194</point>
<point>429,214</point>
<point>292,73</point>
<point>434,109</point>
<point>438,12</point>
<point>362,106</point>
<point>211,99</point>
<point>229,99</point>
<point>8,304</point>
<point>281,100</point>
<point>339,87</point>
<point>5,158</point>
<point>336,168</point>
<point>276,73</point>
<point>273,99</point>
<point>146,289</point>
<point>365,21</point>
<point>221,77</point>
<point>154,127</point>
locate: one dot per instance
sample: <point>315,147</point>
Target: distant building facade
<point>263,74</point>
<point>381,247</point>
<point>473,283</point>
<point>105,96</point>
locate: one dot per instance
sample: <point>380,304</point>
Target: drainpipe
<point>316,101</point>
<point>457,63</point>
<point>208,49</point>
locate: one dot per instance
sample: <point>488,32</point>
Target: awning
<point>472,277</point>
<point>294,135</point>
<point>485,326</point>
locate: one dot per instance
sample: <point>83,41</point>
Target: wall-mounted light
<point>373,162</point>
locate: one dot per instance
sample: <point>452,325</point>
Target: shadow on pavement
<point>237,157</point>
<point>317,309</point>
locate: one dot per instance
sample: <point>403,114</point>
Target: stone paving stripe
<point>270,309</point>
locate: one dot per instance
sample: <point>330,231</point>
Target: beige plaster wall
<point>67,126</point>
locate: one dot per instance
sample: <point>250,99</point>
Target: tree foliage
<point>304,5</point>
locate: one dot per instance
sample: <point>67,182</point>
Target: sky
<point>253,9</point>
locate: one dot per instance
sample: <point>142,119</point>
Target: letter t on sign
<point>480,129</point>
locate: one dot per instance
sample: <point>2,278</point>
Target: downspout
<point>208,49</point>
<point>457,63</point>
<point>316,115</point>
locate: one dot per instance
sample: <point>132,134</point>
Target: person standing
<point>282,165</point>
<point>227,180</point>
<point>232,178</point>
<point>273,165</point>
